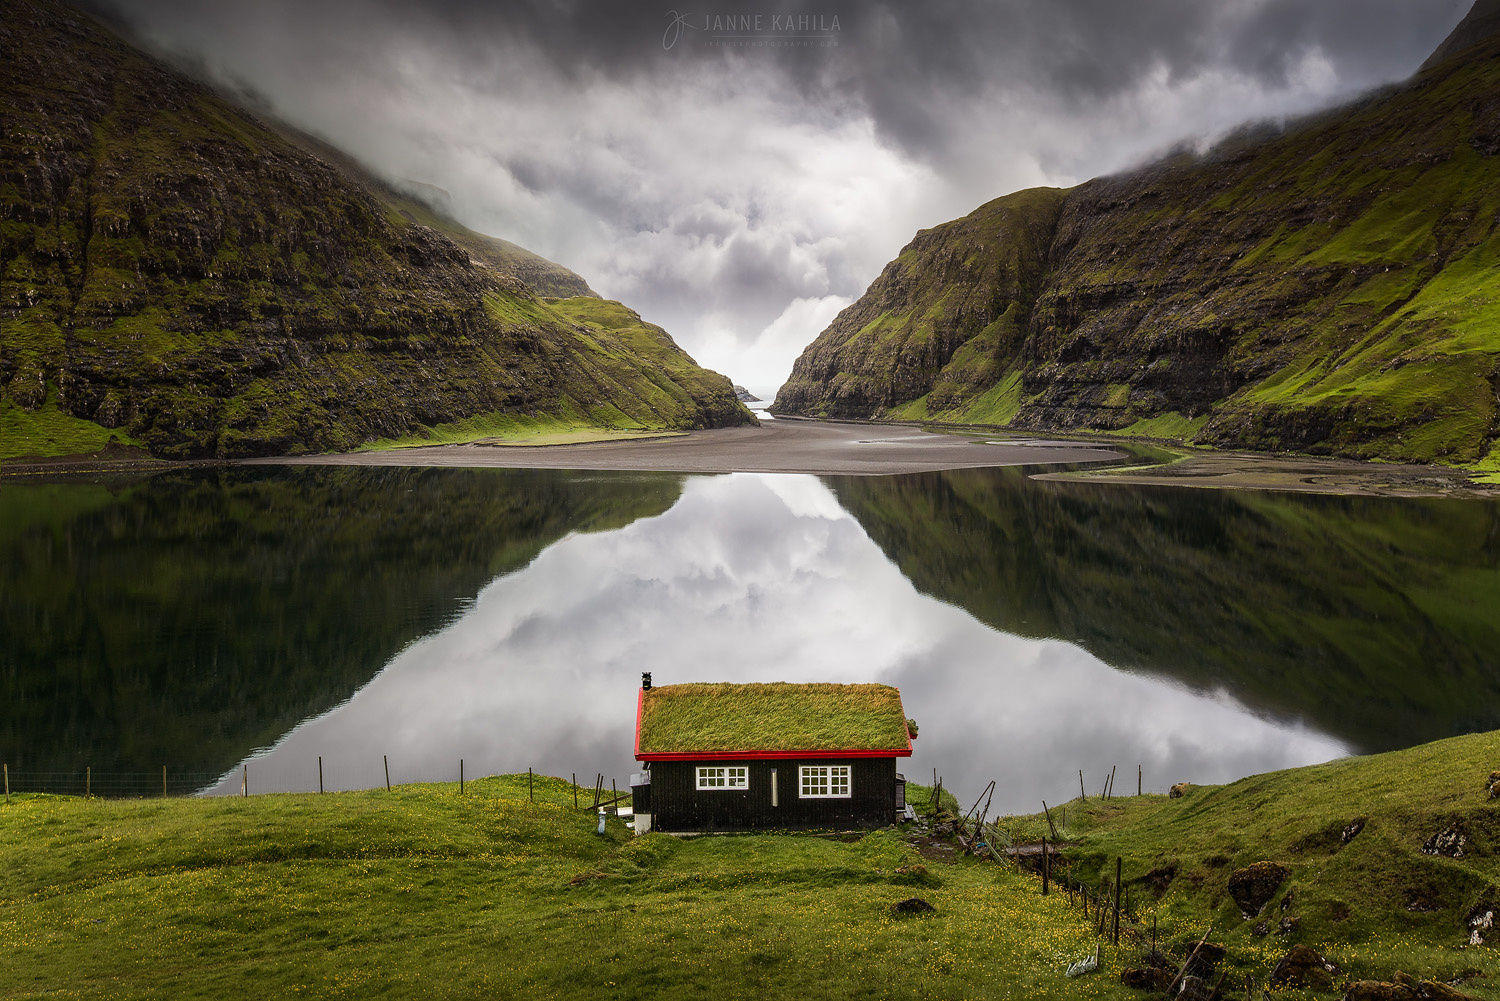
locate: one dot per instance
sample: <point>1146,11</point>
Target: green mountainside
<point>177,275</point>
<point>1327,288</point>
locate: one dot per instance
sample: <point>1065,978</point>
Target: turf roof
<point>676,719</point>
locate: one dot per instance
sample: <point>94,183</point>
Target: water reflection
<point>273,616</point>
<point>187,619</point>
<point>1373,619</point>
<point>750,578</point>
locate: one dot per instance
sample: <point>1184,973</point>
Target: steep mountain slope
<point>1331,288</point>
<point>428,205</point>
<point>178,275</point>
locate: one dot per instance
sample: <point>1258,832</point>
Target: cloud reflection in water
<point>755,577</point>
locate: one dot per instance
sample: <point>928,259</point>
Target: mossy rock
<point>1253,886</point>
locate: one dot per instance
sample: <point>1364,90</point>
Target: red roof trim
<point>640,701</point>
<point>771,755</point>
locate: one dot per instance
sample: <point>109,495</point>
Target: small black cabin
<point>719,757</point>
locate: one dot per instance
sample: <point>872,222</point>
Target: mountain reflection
<point>199,619</point>
<point>1374,620</point>
<point>189,618</point>
<point>759,578</point>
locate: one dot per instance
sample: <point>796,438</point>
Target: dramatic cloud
<point>737,191</point>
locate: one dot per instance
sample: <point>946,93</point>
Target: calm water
<point>208,619</point>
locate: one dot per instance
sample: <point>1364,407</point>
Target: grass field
<point>421,892</point>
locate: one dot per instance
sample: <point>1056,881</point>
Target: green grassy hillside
<point>177,275</point>
<point>1327,288</point>
<point>1359,886</point>
<point>421,892</point>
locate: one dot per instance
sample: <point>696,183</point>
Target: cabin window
<point>723,777</point>
<point>824,781</point>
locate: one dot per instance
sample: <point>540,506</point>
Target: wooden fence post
<point>88,781</point>
<point>1187,962</point>
<point>320,775</point>
<point>386,759</point>
<point>460,776</point>
<point>7,781</point>
<point>1119,866</point>
<point>575,790</point>
<point>1044,867</point>
<point>1138,779</point>
<point>245,780</point>
<point>530,793</point>
<point>164,780</point>
<point>1081,794</point>
<point>1050,825</point>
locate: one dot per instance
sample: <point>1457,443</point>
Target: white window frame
<point>722,778</point>
<point>825,782</point>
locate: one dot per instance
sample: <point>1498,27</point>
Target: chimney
<point>645,681</point>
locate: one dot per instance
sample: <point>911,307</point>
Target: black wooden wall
<point>676,805</point>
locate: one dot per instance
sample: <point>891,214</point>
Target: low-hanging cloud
<point>740,195</point>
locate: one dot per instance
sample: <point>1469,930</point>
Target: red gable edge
<point>640,699</point>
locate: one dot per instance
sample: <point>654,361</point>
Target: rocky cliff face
<point>178,275</point>
<point>1328,288</point>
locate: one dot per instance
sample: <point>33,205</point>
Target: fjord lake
<point>238,624</point>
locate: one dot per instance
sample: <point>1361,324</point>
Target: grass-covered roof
<point>677,719</point>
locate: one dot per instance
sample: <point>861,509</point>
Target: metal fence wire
<point>87,782</point>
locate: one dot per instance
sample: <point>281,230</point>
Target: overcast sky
<point>739,192</point>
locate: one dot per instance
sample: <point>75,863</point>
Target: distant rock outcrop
<point>744,395</point>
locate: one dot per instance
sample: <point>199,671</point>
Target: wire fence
<point>87,782</point>
<point>241,781</point>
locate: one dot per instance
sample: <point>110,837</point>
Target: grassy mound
<point>1389,857</point>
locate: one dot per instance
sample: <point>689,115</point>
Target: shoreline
<point>820,448</point>
<point>867,448</point>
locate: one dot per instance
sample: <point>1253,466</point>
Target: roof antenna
<point>645,681</point>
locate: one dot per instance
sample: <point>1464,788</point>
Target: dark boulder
<point>1403,987</point>
<point>1253,886</point>
<point>1144,978</point>
<point>1206,960</point>
<point>1155,973</point>
<point>1375,990</point>
<point>911,907</point>
<point>1450,842</point>
<point>1303,966</point>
